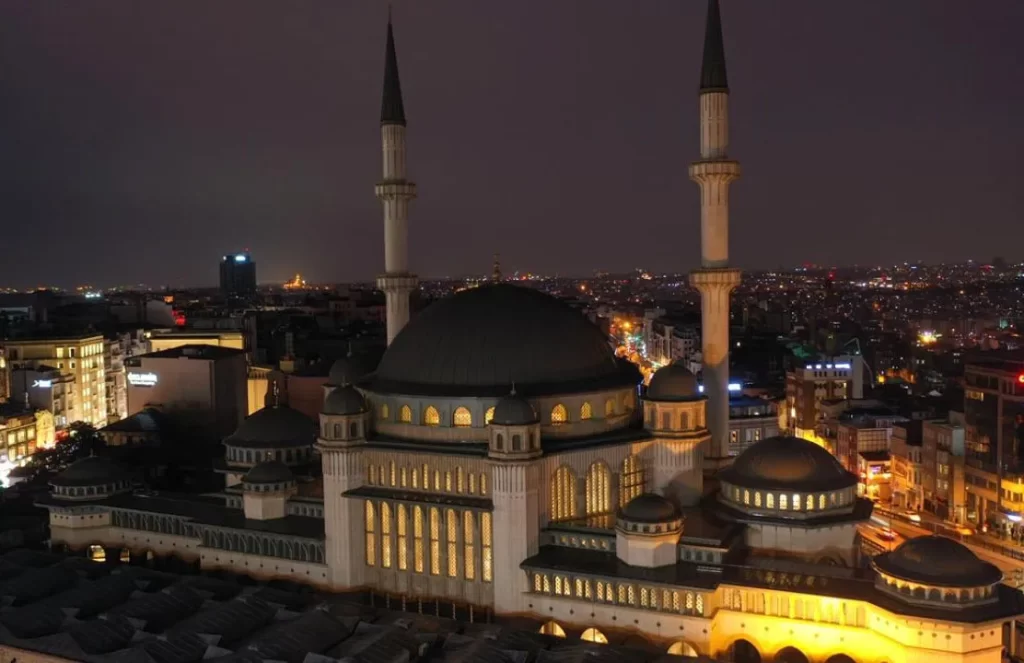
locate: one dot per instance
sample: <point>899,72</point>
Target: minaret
<point>395,192</point>
<point>715,280</point>
<point>496,272</point>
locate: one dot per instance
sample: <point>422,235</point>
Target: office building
<point>201,385</point>
<point>807,387</point>
<point>237,275</point>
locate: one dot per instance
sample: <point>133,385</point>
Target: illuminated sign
<point>142,379</point>
<point>240,258</point>
<point>42,384</point>
<point>733,386</point>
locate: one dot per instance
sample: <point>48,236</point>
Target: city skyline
<point>155,146</point>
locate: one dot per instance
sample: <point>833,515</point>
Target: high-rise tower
<point>715,280</point>
<point>395,192</point>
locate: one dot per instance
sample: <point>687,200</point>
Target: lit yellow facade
<point>223,339</point>
<point>80,357</point>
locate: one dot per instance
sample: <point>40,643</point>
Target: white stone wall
<point>345,542</point>
<point>833,541</point>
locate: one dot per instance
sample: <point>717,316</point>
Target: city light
<point>142,379</point>
<point>240,257</point>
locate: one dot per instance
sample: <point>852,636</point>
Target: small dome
<point>277,426</point>
<point>650,508</point>
<point>936,560</point>
<point>91,471</point>
<point>269,471</point>
<point>787,463</point>
<point>674,382</point>
<point>345,400</point>
<point>513,410</point>
<point>346,370</point>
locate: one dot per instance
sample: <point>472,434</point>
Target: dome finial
<point>513,392</point>
<point>277,394</point>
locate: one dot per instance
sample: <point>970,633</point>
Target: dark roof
<point>269,471</point>
<point>513,410</point>
<point>277,426</point>
<point>392,111</point>
<point>193,351</point>
<point>344,401</point>
<point>347,370</point>
<point>674,382</point>
<point>650,508</point>
<point>936,560</point>
<point>787,463</point>
<point>144,421</point>
<point>482,341</point>
<point>91,471</point>
<point>712,68</point>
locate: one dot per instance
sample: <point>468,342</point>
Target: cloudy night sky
<point>139,141</point>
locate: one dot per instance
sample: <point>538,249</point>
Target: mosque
<point>501,463</point>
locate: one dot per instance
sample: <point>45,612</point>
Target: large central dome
<point>480,341</point>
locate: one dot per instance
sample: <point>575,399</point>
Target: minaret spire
<point>712,68</point>
<point>394,192</point>
<point>715,280</point>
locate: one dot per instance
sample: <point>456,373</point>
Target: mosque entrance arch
<point>553,628</point>
<point>742,651</point>
<point>839,658</point>
<point>593,635</point>
<point>791,655</point>
<point>682,648</point>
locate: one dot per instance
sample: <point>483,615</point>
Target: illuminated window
<point>600,590</point>
<point>460,480</point>
<point>770,497</point>
<point>426,477</point>
<point>415,478</point>
<point>437,480</point>
<point>783,501</point>
<point>810,502</point>
<point>547,585</point>
<point>623,594</point>
<point>403,562</point>
<point>821,501</point>
<point>586,412</point>
<point>462,417</point>
<point>559,415</point>
<point>469,556</point>
<point>796,502</point>
<point>609,408</point>
<point>631,481</point>
<point>538,582</point>
<point>392,474</point>
<point>451,534</point>
<point>643,597</point>
<point>675,601</point>
<point>417,539</point>
<point>757,499</point>
<point>689,602</point>
<point>598,489</point>
<point>371,475</point>
<point>371,538</point>
<point>486,546</point>
<point>631,595</point>
<point>593,635</point>
<point>384,412</point>
<point>746,497</point>
<point>558,585</point>
<point>385,535</point>
<point>472,483</point>
<point>563,494</point>
<point>488,415</point>
<point>125,556</point>
<point>700,604</point>
<point>435,541</point>
<point>483,483</point>
<point>97,554</point>
<point>448,481</point>
<point>405,478</point>
<point>832,499</point>
<point>405,414</point>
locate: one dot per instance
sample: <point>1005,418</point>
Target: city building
<point>23,431</point>
<point>237,275</point>
<point>908,475</point>
<point>942,468</point>
<point>994,439</point>
<point>751,420</point>
<point>515,471</point>
<point>808,387</point>
<point>670,339</point>
<point>204,385</point>
<point>73,365</point>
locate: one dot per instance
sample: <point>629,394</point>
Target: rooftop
<point>193,351</point>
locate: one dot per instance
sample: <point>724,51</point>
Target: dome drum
<point>91,478</point>
<point>795,505</point>
<point>787,465</point>
<point>268,477</point>
<point>650,514</point>
<point>239,455</point>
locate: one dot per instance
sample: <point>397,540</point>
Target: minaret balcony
<point>724,168</point>
<point>395,190</point>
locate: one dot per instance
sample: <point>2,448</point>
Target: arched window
<point>757,498</point>
<point>417,539</point>
<point>384,412</point>
<point>371,537</point>
<point>821,501</point>
<point>563,494</point>
<point>593,635</point>
<point>435,541</point>
<point>431,416</point>
<point>631,480</point>
<point>353,429</point>
<point>499,441</point>
<point>483,483</point>
<point>770,500</point>
<point>609,408</point>
<point>487,555</point>
<point>462,417</point>
<point>97,553</point>
<point>385,535</point>
<point>488,415</point>
<point>517,442</point>
<point>796,502</point>
<point>371,474</point>
<point>405,414</point>
<point>627,402</point>
<point>810,502</point>
<point>448,481</point>
<point>460,480</point>
<point>469,552</point>
<point>391,474</point>
<point>559,415</point>
<point>415,478</point>
<point>599,489</point>
<point>552,628</point>
<point>403,562</point>
<point>453,553</point>
<point>783,501</point>
<point>586,412</point>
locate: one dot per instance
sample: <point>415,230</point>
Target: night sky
<point>141,140</point>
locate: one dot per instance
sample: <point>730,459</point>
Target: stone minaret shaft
<point>715,280</point>
<point>395,192</point>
